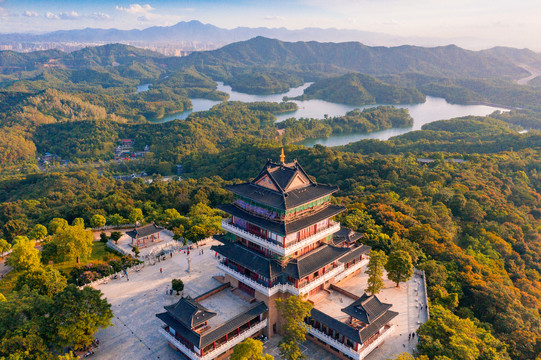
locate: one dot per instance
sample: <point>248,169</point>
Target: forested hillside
<point>461,196</point>
<point>359,89</point>
<point>448,60</point>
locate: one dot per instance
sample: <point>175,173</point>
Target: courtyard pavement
<point>135,336</point>
<point>406,300</point>
<point>135,303</point>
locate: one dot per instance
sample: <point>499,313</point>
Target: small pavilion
<point>142,236</point>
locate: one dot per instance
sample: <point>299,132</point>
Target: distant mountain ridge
<point>198,32</point>
<point>449,61</point>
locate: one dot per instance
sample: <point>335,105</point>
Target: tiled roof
<point>355,253</point>
<point>367,308</point>
<point>359,335</point>
<point>270,268</point>
<point>249,259</point>
<point>281,227</point>
<point>230,325</point>
<point>279,201</point>
<point>189,312</point>
<point>314,260</point>
<point>345,234</point>
<point>202,340</point>
<point>373,328</point>
<point>144,231</point>
<point>285,186</point>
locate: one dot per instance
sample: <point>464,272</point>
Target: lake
<point>432,110</point>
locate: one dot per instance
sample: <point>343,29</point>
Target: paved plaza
<point>135,303</point>
<point>135,336</point>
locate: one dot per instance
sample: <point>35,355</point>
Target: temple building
<point>145,235</point>
<point>281,240</point>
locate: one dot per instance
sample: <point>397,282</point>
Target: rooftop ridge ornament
<point>282,157</point>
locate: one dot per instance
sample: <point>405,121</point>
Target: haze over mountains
<point>195,31</point>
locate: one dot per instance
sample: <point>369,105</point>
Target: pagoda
<point>281,237</point>
<point>281,240</point>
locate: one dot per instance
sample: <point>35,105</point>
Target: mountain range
<point>195,31</point>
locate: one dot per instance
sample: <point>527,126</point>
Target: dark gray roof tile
<point>314,260</point>
<point>189,312</point>
<point>144,231</point>
<point>367,308</point>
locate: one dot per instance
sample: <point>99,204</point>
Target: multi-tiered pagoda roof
<point>282,186</point>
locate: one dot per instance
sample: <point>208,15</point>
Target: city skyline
<point>510,24</point>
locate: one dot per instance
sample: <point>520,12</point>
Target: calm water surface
<point>432,110</point>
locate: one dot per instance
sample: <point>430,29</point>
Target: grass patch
<point>98,253</point>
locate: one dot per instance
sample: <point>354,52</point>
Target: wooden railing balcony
<point>231,342</point>
<point>275,246</point>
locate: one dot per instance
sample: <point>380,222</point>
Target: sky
<point>493,22</point>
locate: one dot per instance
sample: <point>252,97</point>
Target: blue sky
<point>503,22</point>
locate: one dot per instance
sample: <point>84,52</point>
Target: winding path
<point>533,74</point>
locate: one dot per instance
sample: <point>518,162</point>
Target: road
<point>533,74</point>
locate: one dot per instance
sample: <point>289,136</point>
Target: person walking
<point>161,270</point>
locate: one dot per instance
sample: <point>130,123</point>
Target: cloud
<point>69,15</point>
<point>136,8</point>
<point>29,13</point>
<point>50,15</point>
<point>100,16</point>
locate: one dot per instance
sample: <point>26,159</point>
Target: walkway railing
<point>220,349</point>
<point>269,291</point>
<point>322,279</point>
<point>422,274</point>
<point>362,353</point>
<point>334,343</point>
<point>115,247</point>
<point>350,270</point>
<point>377,342</point>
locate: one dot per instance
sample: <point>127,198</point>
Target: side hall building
<point>281,240</point>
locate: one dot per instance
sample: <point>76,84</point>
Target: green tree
<point>77,315</point>
<point>117,219</point>
<point>25,344</point>
<point>24,255</point>
<point>98,221</point>
<point>135,215</point>
<point>45,280</point>
<point>57,224</point>
<point>399,243</point>
<point>399,266</point>
<point>171,214</point>
<point>375,267</point>
<point>115,236</point>
<point>177,285</point>
<point>104,238</point>
<point>250,349</point>
<point>136,250</point>
<point>178,231</point>
<point>14,228</point>
<point>293,309</point>
<point>4,246</point>
<point>38,232</point>
<point>445,334</point>
<point>73,243</point>
<point>78,222</point>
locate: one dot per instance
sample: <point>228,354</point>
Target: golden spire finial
<point>282,157</point>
